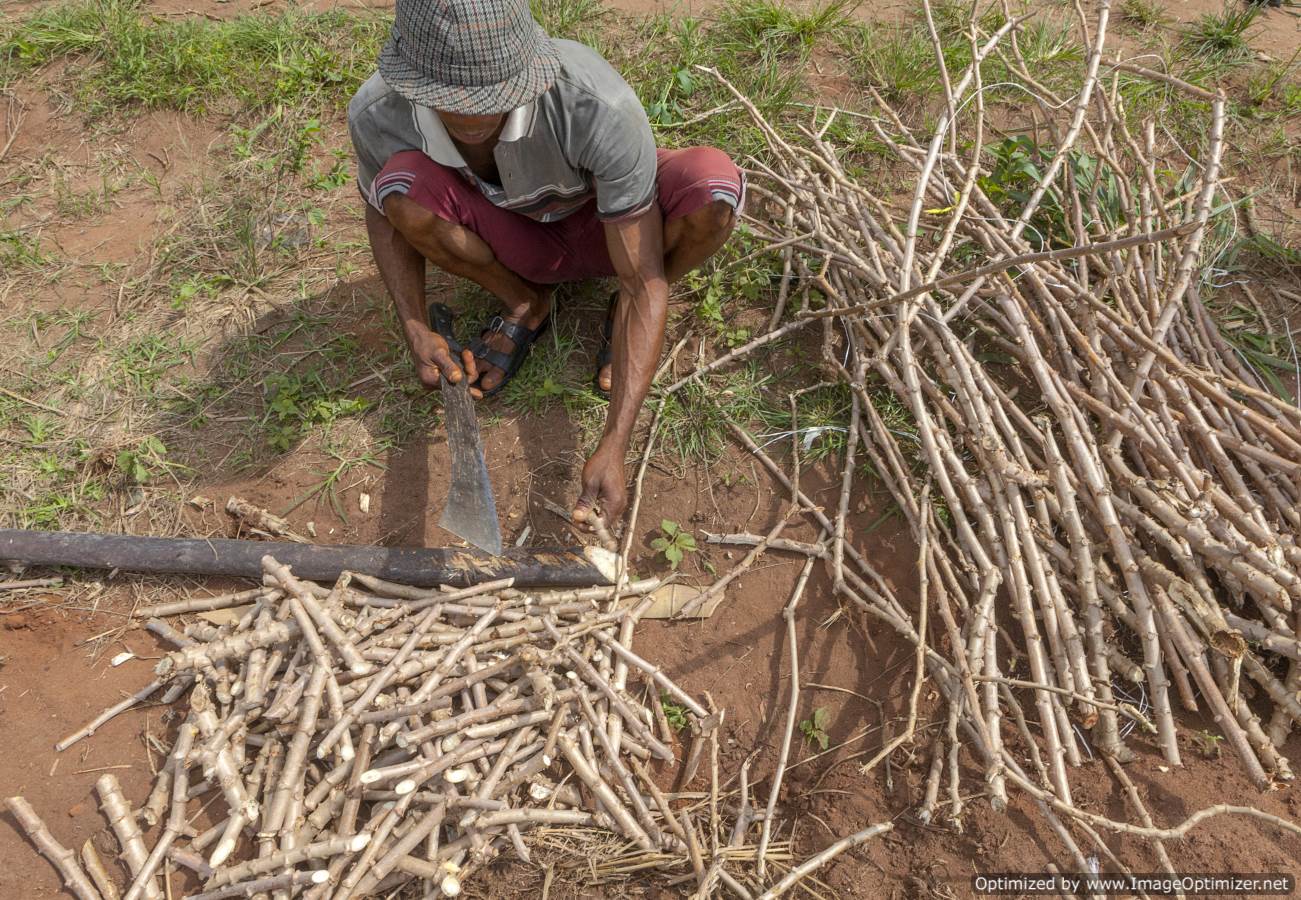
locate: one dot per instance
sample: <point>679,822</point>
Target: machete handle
<point>440,320</point>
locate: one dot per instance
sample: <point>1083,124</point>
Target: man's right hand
<point>434,360</point>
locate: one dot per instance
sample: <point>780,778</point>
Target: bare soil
<point>54,659</point>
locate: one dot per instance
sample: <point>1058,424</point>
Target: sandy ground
<point>54,670</point>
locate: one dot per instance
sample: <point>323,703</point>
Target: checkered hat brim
<point>474,57</point>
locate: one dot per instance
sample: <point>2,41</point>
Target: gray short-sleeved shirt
<point>587,136</point>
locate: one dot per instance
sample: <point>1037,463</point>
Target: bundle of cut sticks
<point>1105,495</point>
<point>344,742</point>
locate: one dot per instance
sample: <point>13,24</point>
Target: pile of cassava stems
<point>1105,495</point>
<point>350,741</point>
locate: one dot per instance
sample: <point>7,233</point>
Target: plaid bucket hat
<point>474,57</point>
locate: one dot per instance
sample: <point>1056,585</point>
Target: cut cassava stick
<point>429,759</point>
<point>123,823</point>
<point>59,856</point>
<point>98,873</point>
<point>138,697</point>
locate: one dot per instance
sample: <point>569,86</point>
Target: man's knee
<point>706,181</point>
<point>408,216</point>
<point>709,226</point>
<point>419,197</point>
<point>717,219</point>
<point>433,236</point>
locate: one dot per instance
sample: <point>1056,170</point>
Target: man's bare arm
<point>403,270</point>
<point>637,251</point>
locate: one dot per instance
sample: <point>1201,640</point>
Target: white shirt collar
<point>438,145</point>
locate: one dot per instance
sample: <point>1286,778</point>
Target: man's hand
<point>605,488</point>
<point>434,359</point>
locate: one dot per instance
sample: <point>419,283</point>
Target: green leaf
<point>820,717</point>
<point>669,527</point>
<point>823,740</point>
<point>660,543</point>
<point>673,555</point>
<point>686,541</point>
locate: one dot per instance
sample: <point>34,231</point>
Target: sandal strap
<point>517,332</point>
<point>498,358</point>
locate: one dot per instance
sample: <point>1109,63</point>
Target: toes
<point>605,379</point>
<point>490,379</point>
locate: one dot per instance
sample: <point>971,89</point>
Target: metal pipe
<point>418,566</point>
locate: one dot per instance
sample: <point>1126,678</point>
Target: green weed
<point>674,543</point>
<point>1017,165</point>
<point>140,462</point>
<point>814,728</point>
<point>328,486</point>
<point>546,378</point>
<point>822,419</point>
<point>39,427</point>
<point>1272,91</point>
<point>297,403</point>
<point>674,714</point>
<point>694,422</point>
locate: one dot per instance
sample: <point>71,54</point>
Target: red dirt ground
<point>54,676</point>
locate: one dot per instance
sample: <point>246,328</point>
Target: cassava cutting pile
<point>1105,496</point>
<point>347,742</point>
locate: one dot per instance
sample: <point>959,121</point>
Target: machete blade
<point>471,512</point>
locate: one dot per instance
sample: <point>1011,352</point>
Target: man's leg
<point>427,216</point>
<point>700,193</point>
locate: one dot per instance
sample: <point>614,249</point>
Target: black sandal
<point>440,322</point>
<point>606,352</point>
<point>521,336</point>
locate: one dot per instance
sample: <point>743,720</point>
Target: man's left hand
<point>605,490</point>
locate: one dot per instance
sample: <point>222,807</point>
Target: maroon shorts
<point>573,248</point>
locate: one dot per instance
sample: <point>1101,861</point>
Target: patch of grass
<point>1267,349</point>
<point>822,419</point>
<point>675,93</point>
<point>577,20</point>
<point>144,361</point>
<point>73,202</point>
<point>548,377</point>
<point>896,60</point>
<point>693,425</point>
<point>1142,16</point>
<point>18,252</point>
<point>778,27</point>
<point>259,61</point>
<point>1273,92</point>
<point>1220,40</point>
<point>953,18</point>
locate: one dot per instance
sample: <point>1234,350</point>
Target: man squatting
<point>519,161</point>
